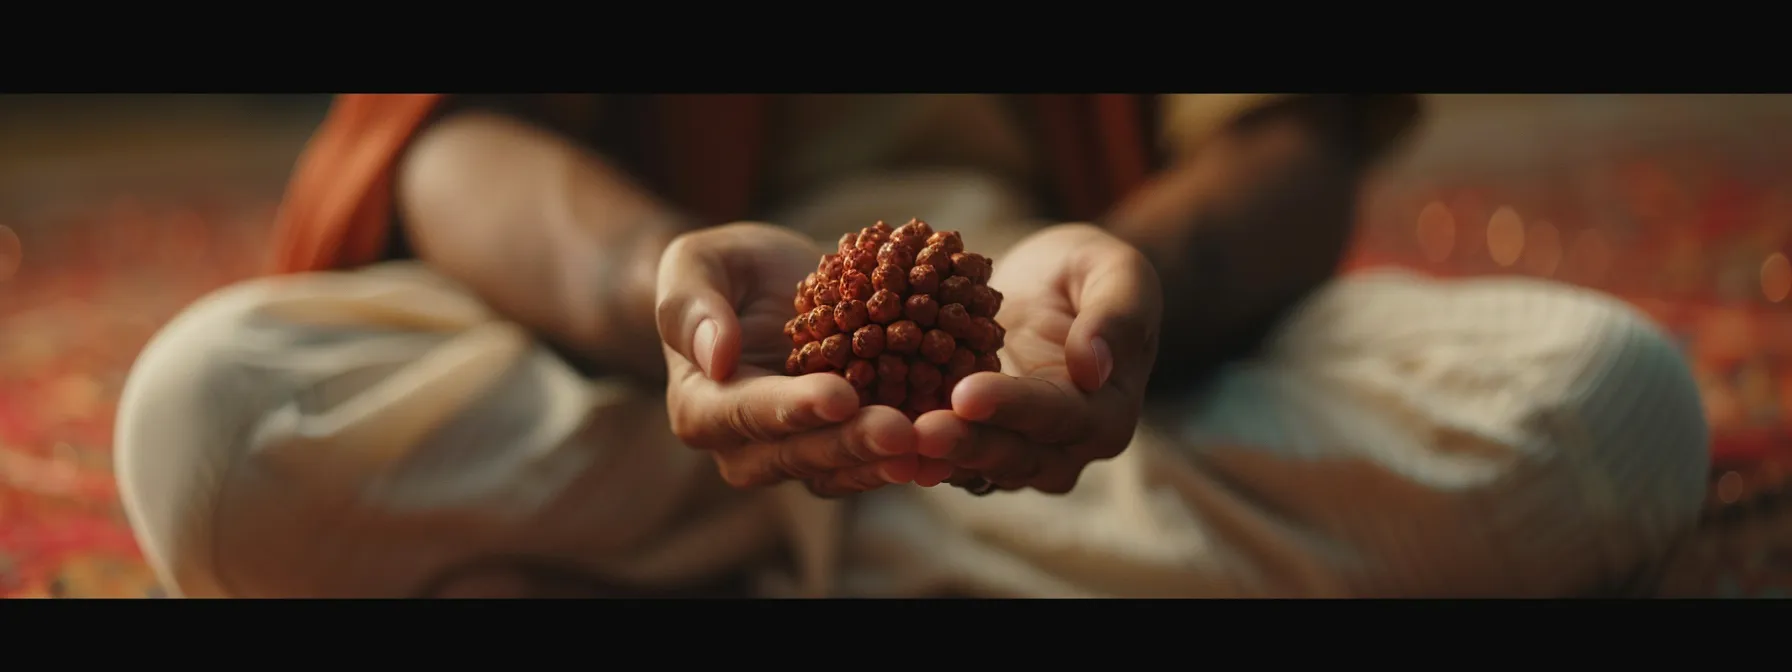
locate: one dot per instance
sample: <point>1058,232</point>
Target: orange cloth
<point>338,206</point>
<point>339,201</point>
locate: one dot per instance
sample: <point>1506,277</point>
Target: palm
<point>1038,324</point>
<point>775,264</point>
<point>763,344</point>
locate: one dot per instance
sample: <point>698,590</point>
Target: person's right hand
<point>723,297</point>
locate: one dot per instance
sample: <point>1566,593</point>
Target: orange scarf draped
<point>707,150</point>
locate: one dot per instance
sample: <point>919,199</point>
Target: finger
<point>828,488</point>
<point>973,484</point>
<point>931,472</point>
<point>1118,305</point>
<point>867,477</point>
<point>1000,455</point>
<point>938,433</point>
<point>1118,415</point>
<point>1059,475</point>
<point>695,317</point>
<point>946,436</point>
<point>1056,476</point>
<point>1039,409</point>
<point>962,477</point>
<point>878,433</point>
<point>758,409</point>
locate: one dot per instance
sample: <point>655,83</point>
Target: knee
<point>173,437</point>
<point>1639,417</point>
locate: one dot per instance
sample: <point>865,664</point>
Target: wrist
<point>610,297</point>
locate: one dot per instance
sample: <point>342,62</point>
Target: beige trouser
<point>361,433</point>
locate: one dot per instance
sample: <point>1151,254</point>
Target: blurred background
<point>115,211</point>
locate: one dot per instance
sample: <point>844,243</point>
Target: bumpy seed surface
<point>903,313</point>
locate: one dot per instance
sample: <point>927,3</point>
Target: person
<point>453,385</point>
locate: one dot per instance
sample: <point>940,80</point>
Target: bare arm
<point>1246,226</point>
<point>544,231</point>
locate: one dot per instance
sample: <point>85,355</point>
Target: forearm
<point>545,232</point>
<point>1245,227</point>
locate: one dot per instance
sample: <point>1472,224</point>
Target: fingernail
<point>703,346</point>
<point>1104,360</point>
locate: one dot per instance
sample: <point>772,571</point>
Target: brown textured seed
<point>855,285</point>
<point>923,378</point>
<point>850,314</point>
<point>986,335</point>
<point>885,306</point>
<point>956,320</point>
<point>821,322</point>
<point>892,368</point>
<point>962,364</point>
<point>890,277</point>
<point>975,267</point>
<point>891,392</point>
<point>949,241</point>
<point>813,362</point>
<point>925,403</point>
<point>903,337</point>
<point>921,309</point>
<point>793,365</point>
<point>828,294</point>
<point>956,289</point>
<point>861,373</point>
<point>916,229</point>
<point>802,303</point>
<point>984,301</point>
<point>903,236</point>
<point>896,253</point>
<point>848,241</point>
<point>868,341</point>
<point>836,349</point>
<point>864,261</point>
<point>935,256</point>
<point>831,265</point>
<point>923,280</point>
<point>937,346</point>
<point>989,362</point>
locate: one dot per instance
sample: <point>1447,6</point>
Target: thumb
<point>694,316</point>
<point>1113,338</point>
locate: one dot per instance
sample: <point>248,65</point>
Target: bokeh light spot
<point>1436,232</point>
<point>1730,488</point>
<point>1776,277</point>
<point>1505,236</point>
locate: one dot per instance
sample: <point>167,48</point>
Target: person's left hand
<point>1081,309</point>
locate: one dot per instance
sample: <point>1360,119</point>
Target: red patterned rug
<point>1693,240</point>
